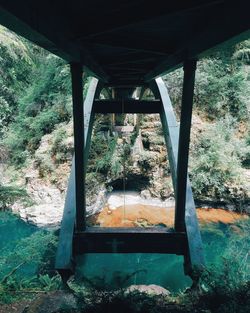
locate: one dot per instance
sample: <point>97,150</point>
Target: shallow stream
<point>116,270</point>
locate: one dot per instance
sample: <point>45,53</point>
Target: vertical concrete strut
<point>64,258</point>
<point>183,144</point>
<point>177,141</point>
<point>78,118</point>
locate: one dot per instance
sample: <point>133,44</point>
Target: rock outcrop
<point>152,290</point>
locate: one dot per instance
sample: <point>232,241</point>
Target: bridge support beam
<point>127,106</point>
<point>78,117</point>
<point>76,239</point>
<point>183,145</point>
<point>65,257</point>
<point>194,258</point>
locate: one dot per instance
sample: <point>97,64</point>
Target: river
<point>114,270</point>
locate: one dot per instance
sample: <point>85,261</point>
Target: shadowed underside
<point>127,43</point>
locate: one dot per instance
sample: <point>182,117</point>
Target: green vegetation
<point>60,149</point>
<point>108,153</point>
<point>16,65</point>
<point>216,162</point>
<point>35,98</point>
<point>34,95</point>
<point>220,150</point>
<point>27,267</point>
<point>147,160</point>
<point>102,152</point>
<point>222,84</point>
<point>45,104</point>
<point>10,194</point>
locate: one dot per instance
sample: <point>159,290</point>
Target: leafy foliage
<point>106,155</point>
<point>10,194</point>
<point>221,87</point>
<point>226,284</point>
<point>242,53</point>
<point>16,66</point>
<point>45,104</point>
<point>34,94</point>
<point>61,151</point>
<point>147,160</point>
<point>49,283</point>
<point>216,162</point>
<point>24,267</point>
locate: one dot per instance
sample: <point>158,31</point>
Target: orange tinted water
<point>148,215</point>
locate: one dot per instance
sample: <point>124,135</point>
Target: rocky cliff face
<point>131,158</point>
<point>141,157</point>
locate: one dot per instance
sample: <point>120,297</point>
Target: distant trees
<point>222,83</point>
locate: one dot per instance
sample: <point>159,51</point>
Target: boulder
<point>145,194</point>
<point>153,290</point>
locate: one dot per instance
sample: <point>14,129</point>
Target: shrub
<point>102,151</point>
<point>242,52</point>
<point>45,104</point>
<point>246,161</point>
<point>147,160</point>
<point>221,86</point>
<point>16,66</point>
<point>62,145</point>
<point>44,164</point>
<point>10,194</point>
<point>20,268</point>
<point>216,162</point>
<point>226,284</point>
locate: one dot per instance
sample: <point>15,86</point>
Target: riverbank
<point>131,210</point>
<point>117,209</point>
<point>148,215</point>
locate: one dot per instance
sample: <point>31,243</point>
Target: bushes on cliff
<point>10,194</point>
<point>16,66</point>
<point>45,104</point>
<point>221,85</point>
<point>101,153</point>
<point>216,162</point>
